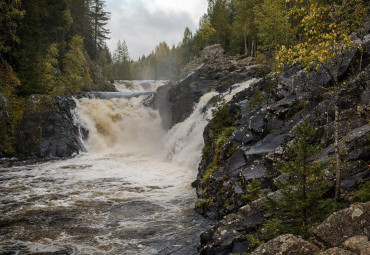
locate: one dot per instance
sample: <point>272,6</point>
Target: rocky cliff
<point>213,70</point>
<point>48,129</point>
<point>263,118</point>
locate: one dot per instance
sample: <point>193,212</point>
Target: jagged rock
<point>358,244</point>
<point>287,245</point>
<point>229,234</point>
<point>212,71</point>
<point>268,144</point>
<point>336,251</point>
<point>344,224</point>
<point>236,162</point>
<point>47,128</point>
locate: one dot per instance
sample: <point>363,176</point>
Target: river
<point>130,193</point>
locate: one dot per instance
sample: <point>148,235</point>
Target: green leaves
<point>326,27</point>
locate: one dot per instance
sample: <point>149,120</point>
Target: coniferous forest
<point>52,45</point>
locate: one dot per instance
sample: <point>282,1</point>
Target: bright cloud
<point>143,24</point>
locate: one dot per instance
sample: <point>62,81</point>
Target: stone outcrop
<point>48,128</point>
<point>345,232</point>
<point>287,245</point>
<point>212,71</point>
<point>229,234</point>
<point>358,244</point>
<point>344,224</point>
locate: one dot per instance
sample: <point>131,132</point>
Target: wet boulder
<point>213,70</point>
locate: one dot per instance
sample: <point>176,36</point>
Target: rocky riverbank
<point>262,121</point>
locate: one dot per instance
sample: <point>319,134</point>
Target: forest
<point>53,46</point>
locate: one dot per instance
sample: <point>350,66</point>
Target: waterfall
<point>126,126</point>
<point>183,142</point>
<point>120,125</point>
<point>139,85</point>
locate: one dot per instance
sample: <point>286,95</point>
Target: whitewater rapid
<point>130,193</point>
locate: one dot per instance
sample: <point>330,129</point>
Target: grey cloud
<point>143,30</point>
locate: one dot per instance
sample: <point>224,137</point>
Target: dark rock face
<point>344,224</point>
<point>213,70</point>
<point>47,128</point>
<point>264,122</point>
<point>229,234</point>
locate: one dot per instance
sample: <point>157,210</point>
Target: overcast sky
<point>143,24</point>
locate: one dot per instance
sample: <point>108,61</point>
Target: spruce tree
<point>302,186</point>
<point>99,20</point>
<point>75,67</point>
<point>82,24</point>
<point>121,62</point>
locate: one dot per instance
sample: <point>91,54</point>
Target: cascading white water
<point>186,138</point>
<point>120,125</point>
<point>138,86</point>
<point>129,194</point>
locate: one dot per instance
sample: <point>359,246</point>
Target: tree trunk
<point>252,52</point>
<point>304,195</point>
<point>336,142</point>
<point>245,44</point>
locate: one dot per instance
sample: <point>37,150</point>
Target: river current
<point>130,193</point>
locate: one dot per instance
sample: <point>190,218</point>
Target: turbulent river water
<point>130,193</point>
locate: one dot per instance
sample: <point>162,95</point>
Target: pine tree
<point>106,63</point>
<point>302,186</point>
<point>121,62</point>
<point>44,23</point>
<point>49,77</point>
<point>219,19</point>
<point>75,67</point>
<point>99,20</point>
<point>80,12</point>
